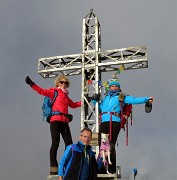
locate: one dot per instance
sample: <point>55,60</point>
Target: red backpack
<point>126,112</point>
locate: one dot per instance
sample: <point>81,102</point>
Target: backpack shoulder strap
<point>55,96</point>
<point>121,97</point>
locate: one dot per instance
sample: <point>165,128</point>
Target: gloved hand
<point>29,81</point>
<point>95,97</point>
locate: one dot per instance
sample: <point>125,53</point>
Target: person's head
<point>62,82</point>
<point>86,136</point>
<point>114,84</point>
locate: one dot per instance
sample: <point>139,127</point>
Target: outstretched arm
<point>38,89</point>
<point>138,100</point>
<point>74,104</point>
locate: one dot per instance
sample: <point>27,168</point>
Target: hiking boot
<point>53,170</point>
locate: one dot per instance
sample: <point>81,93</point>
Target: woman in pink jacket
<point>59,123</point>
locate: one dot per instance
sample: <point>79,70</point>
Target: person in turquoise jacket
<point>110,111</point>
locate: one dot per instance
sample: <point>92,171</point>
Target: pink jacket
<point>61,103</point>
<point>105,146</point>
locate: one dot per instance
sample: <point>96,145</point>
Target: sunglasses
<point>62,82</point>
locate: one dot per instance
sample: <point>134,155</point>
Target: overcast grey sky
<point>42,28</point>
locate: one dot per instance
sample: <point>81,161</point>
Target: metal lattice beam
<point>109,60</point>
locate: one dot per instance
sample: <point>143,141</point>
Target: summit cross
<point>91,63</point>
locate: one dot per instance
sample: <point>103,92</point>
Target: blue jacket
<point>71,163</point>
<point>112,104</point>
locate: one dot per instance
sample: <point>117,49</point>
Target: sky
<point>41,28</point>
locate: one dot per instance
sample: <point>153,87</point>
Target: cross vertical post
<point>91,47</point>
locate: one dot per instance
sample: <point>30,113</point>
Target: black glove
<point>148,107</point>
<point>29,81</point>
<point>70,117</point>
<point>95,97</point>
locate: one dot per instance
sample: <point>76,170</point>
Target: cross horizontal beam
<point>109,60</point>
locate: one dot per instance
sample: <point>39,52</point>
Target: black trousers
<point>57,128</point>
<point>105,128</point>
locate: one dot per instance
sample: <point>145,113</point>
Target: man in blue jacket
<point>110,109</point>
<point>78,161</point>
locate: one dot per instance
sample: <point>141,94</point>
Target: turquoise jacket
<point>111,104</point>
